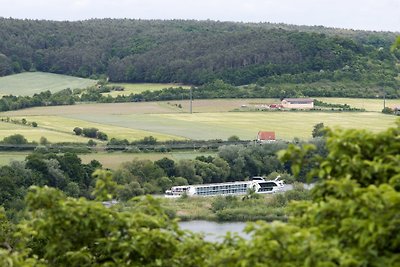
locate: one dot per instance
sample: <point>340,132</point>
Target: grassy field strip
<point>66,125</point>
<point>172,126</point>
<point>136,88</point>
<point>52,136</point>
<point>213,105</point>
<point>173,107</point>
<point>113,160</point>
<point>132,120</point>
<point>29,83</point>
<point>6,126</point>
<point>96,109</point>
<point>7,157</point>
<point>367,104</point>
<point>208,106</point>
<point>287,125</point>
<point>34,134</point>
<point>221,105</point>
<point>224,105</point>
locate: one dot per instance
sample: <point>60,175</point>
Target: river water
<point>214,231</point>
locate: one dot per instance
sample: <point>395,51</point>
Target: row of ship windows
<point>265,189</point>
<point>224,187</point>
<point>216,192</point>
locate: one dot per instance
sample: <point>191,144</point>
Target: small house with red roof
<point>265,137</point>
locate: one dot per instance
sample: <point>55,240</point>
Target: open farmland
<point>99,109</point>
<point>161,107</point>
<point>29,83</point>
<point>64,126</point>
<point>365,103</point>
<point>34,134</point>
<point>136,88</point>
<point>286,125</point>
<point>114,159</point>
<point>210,120</point>
<point>9,156</point>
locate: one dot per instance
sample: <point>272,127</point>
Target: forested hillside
<point>194,52</point>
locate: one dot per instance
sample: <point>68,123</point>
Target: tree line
<point>46,98</point>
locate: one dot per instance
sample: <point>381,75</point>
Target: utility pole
<point>191,99</point>
<point>384,99</point>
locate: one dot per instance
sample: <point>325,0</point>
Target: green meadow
<point>34,134</point>
<point>211,119</point>
<point>7,157</point>
<point>286,125</point>
<point>29,83</point>
<point>65,125</point>
<point>365,103</point>
<point>113,160</point>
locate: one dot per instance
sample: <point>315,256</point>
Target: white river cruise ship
<point>258,184</point>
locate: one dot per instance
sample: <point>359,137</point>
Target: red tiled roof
<point>266,135</point>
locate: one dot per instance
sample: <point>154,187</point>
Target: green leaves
<point>298,156</point>
<point>76,232</point>
<point>356,201</point>
<point>105,186</point>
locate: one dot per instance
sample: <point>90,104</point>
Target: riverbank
<point>251,207</point>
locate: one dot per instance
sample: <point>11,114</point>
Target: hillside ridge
<point>186,51</point>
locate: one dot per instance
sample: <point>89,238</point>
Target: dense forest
<point>196,52</point>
